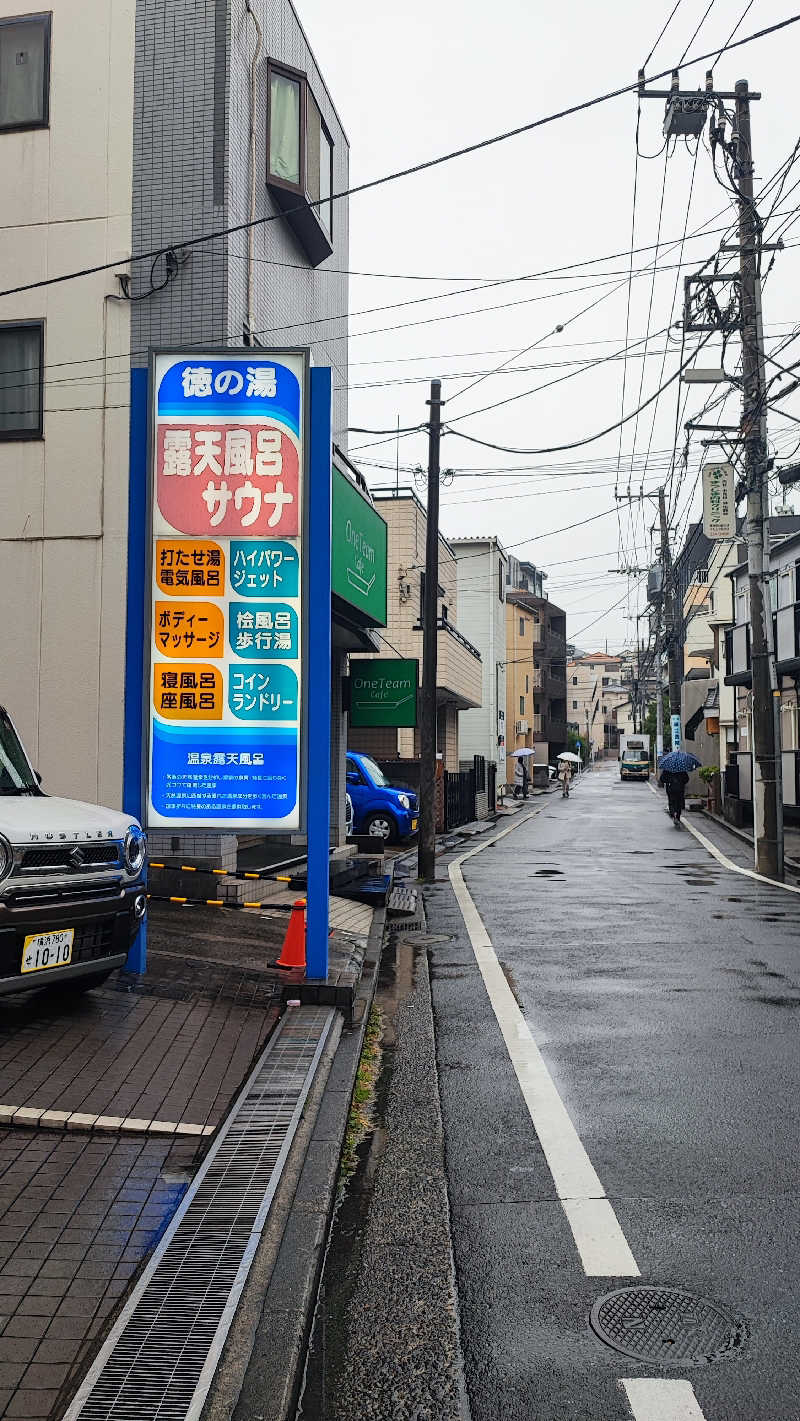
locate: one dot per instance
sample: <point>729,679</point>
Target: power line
<point>589,439</point>
<point>411,171</point>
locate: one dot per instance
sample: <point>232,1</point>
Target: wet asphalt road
<point>664,993</point>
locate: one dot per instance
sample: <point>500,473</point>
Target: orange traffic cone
<point>293,952</point>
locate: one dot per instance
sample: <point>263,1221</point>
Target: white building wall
<point>63,499</point>
<point>482,619</point>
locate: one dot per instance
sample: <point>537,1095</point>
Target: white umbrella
<point>520,754</point>
<point>568,755</point>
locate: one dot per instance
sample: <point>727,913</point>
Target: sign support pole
<point>318,694</point>
<point>133,751</point>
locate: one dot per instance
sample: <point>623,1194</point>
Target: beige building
<point>459,665</point>
<point>66,164</point>
<point>523,640</point>
<point>594,694</point>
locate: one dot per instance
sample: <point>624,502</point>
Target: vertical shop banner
<point>719,500</point>
<point>227,646</point>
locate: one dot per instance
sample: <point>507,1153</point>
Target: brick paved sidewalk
<point>80,1212</point>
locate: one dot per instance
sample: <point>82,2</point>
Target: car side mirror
<point>353,777</point>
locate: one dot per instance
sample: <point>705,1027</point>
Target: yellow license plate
<point>42,950</point>
<point>413,825</point>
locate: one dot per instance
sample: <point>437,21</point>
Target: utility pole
<point>659,695</point>
<point>767,785</point>
<point>426,851</point>
<point>671,637</point>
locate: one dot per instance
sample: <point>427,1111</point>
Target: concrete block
<point>26,1115</point>
<point>54,1120</point>
<point>79,1121</point>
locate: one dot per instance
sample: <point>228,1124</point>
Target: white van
<point>72,884</point>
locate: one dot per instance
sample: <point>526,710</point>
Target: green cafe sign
<point>358,552</point>
<point>383,692</point>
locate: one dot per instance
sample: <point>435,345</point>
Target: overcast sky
<point>415,81</point>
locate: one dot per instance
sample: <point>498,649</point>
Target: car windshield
<point>633,755</point>
<point>15,772</point>
<point>375,772</point>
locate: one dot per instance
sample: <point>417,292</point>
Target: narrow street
<point>661,989</point>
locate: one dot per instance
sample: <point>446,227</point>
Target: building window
<point>574,705</point>
<point>522,626</point>
<point>501,580</point>
<point>25,72</point>
<point>526,686</point>
<point>606,680</point>
<point>21,380</point>
<point>574,680</point>
<point>300,160</point>
<point>522,705</point>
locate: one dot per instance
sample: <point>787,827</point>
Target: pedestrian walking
<point>565,775</point>
<point>675,782</point>
<point>520,778</point>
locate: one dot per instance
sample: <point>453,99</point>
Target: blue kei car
<point>380,808</point>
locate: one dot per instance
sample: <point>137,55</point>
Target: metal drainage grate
<point>160,1358</point>
<point>666,1326</point>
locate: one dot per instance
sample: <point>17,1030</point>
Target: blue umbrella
<point>678,762</point>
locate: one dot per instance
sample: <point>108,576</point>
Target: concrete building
<point>785,581</point>
<point>124,128</point>
<point>594,693</point>
<point>521,646</point>
<point>481,584</point>
<point>525,594</point>
<point>459,679</point>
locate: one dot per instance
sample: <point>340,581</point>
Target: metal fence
<point>459,798</point>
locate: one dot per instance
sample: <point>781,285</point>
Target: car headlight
<point>404,800</point>
<point>6,858</point>
<point>135,849</point>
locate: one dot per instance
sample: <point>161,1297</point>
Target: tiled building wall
<point>191,177</point>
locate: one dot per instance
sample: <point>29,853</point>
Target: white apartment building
<point>481,565</point>
<point>128,126</point>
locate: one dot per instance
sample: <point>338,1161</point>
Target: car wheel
<point>381,826</point>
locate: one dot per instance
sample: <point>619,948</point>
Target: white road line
<point>728,863</point>
<point>651,1399</point>
<point>598,1237</point>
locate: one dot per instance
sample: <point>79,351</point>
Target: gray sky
<point>414,81</point>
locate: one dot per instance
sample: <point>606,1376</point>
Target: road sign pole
<point>318,691</point>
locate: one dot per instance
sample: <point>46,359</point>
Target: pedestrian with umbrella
<point>674,777</point>
<point>521,777</point>
<point>565,762</point>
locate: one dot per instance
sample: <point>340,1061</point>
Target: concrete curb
<point>746,838</point>
<point>261,1368</point>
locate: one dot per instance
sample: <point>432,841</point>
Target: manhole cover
<point>666,1326</point>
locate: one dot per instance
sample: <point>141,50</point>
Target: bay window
<point>300,160</point>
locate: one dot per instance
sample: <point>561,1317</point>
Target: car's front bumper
<point>105,922</point>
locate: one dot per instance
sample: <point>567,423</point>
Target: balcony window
<point>24,72</point>
<point>300,161</point>
<point>21,380</point>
